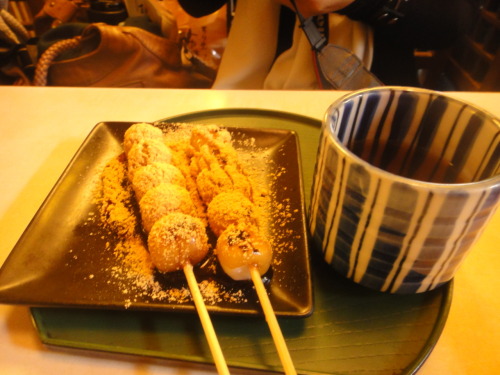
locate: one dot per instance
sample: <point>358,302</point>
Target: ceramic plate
<point>67,258</point>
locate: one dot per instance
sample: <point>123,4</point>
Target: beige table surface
<point>41,129</point>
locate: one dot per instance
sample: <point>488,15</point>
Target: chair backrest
<point>473,63</point>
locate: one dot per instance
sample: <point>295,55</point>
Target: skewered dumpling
<point>213,181</point>
<point>212,145</point>
<point>240,247</point>
<point>241,182</point>
<point>230,208</point>
<point>138,132</point>
<point>147,151</point>
<point>162,200</point>
<point>176,240</point>
<point>152,175</point>
<point>210,135</point>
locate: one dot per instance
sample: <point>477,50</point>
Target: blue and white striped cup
<point>405,181</point>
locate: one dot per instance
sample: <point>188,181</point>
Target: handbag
<point>116,56</point>
<point>336,67</point>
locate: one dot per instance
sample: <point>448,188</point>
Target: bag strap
<point>16,38</point>
<point>315,37</point>
<point>48,57</point>
<point>12,29</point>
<point>317,40</point>
<point>335,67</point>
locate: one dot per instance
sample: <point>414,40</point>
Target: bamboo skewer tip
<point>272,321</point>
<point>213,342</point>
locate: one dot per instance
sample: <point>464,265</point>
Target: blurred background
<point>472,64</point>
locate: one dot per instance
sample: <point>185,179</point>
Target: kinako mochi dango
<point>162,200</point>
<point>145,152</point>
<point>233,219</point>
<point>154,174</point>
<point>177,239</point>
<point>215,165</point>
<point>242,250</point>
<point>175,234</point>
<point>240,247</point>
<point>230,208</point>
<point>227,192</point>
<point>139,132</point>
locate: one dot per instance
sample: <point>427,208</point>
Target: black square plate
<point>62,260</point>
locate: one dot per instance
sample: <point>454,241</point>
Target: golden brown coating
<point>176,240</point>
<point>230,208</point>
<point>240,181</point>
<point>162,200</point>
<point>201,160</point>
<point>240,247</point>
<point>211,135</point>
<point>147,151</point>
<point>154,174</point>
<point>138,132</point>
<point>210,152</point>
<point>212,182</point>
<point>214,174</point>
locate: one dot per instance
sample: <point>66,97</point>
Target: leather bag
<point>116,56</point>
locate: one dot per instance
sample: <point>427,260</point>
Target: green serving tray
<point>353,330</point>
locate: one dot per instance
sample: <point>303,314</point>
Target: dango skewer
<point>244,254</point>
<point>176,240</point>
<point>242,251</point>
<point>272,322</point>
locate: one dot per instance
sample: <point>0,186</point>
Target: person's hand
<point>309,8</point>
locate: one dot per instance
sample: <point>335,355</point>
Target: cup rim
<point>489,182</point>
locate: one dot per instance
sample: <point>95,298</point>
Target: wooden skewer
<point>213,343</point>
<point>279,340</point>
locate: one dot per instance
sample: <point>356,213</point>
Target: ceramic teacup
<point>405,181</point>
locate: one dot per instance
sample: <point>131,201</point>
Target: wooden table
<point>41,129</point>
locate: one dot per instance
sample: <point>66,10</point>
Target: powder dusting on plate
<point>133,271</point>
